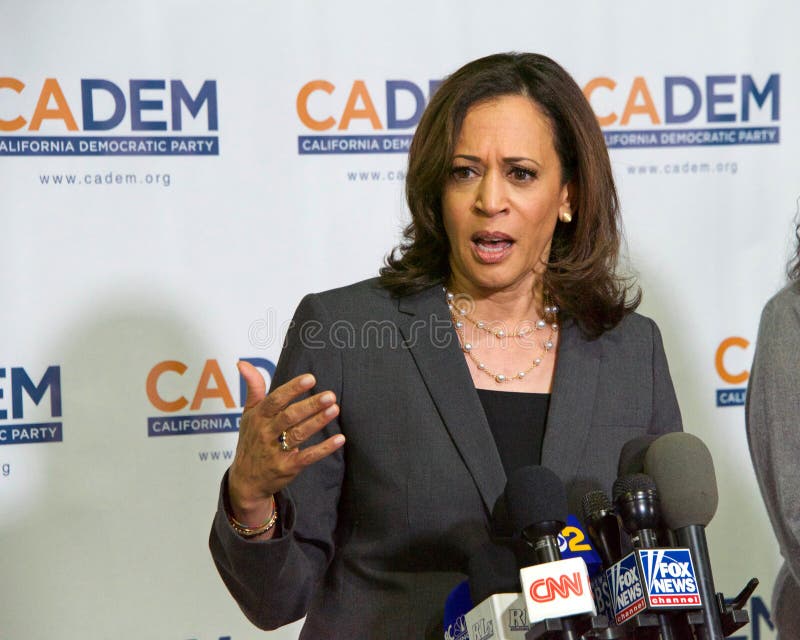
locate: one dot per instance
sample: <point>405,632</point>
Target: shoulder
<point>630,349</point>
<point>779,329</point>
<point>783,309</point>
<point>366,301</point>
<point>343,301</point>
<point>634,330</point>
<point>365,290</point>
<point>636,324</point>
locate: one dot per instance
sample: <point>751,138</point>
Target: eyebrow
<point>510,160</point>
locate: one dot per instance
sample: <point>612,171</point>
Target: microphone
<point>495,586</point>
<point>683,469</point>
<point>639,509</point>
<point>631,460</point>
<point>631,457</point>
<point>536,500</point>
<point>603,526</point>
<point>636,499</point>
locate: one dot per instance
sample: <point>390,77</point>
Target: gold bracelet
<point>252,532</point>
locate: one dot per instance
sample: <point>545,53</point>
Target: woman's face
<point>502,198</point>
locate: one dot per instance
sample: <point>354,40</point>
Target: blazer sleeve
<point>273,581</point>
<point>772,411</point>
<point>666,413</point>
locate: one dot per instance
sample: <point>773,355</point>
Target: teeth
<point>494,247</point>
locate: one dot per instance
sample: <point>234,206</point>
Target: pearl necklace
<point>459,313</point>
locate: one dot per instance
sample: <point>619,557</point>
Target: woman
<point>773,408</point>
<point>505,283</point>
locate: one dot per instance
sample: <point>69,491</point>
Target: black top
<point>517,421</point>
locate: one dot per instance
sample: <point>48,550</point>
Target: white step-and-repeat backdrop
<point>174,176</point>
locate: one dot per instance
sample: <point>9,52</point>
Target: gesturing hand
<point>261,466</point>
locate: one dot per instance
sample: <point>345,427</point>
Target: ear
<point>567,195</point>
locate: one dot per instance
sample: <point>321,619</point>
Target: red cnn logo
<point>546,589</point>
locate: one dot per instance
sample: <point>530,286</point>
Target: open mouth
<point>491,247</point>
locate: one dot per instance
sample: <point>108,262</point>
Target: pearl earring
<point>565,216</point>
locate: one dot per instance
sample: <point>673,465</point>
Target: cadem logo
<point>32,418</point>
<point>169,381</point>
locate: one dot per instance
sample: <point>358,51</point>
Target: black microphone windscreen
<point>683,469</point>
<point>631,457</point>
<point>603,526</point>
<point>595,502</point>
<point>492,569</point>
<point>633,483</point>
<point>535,494</point>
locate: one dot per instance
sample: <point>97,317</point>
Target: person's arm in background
<point>773,420</point>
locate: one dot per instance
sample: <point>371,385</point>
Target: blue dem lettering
<point>23,385</point>
<point>717,97</point>
<point>179,96</point>
<point>759,618</point>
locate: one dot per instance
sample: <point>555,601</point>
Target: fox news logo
<point>669,577</point>
<point>131,106</point>
<point>627,593</point>
<point>32,416</point>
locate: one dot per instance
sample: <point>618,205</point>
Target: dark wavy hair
<point>581,275</point>
<point>793,269</point>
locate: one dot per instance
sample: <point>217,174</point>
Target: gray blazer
<point>773,408</point>
<point>375,536</point>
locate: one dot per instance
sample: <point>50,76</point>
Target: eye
<point>522,174</point>
<point>462,173</point>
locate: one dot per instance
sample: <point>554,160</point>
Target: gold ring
<point>283,441</point>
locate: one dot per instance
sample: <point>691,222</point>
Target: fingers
<point>261,467</point>
<point>303,458</point>
<point>301,430</point>
<point>279,398</point>
<point>256,387</point>
<point>319,406</point>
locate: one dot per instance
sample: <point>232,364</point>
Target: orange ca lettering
<point>719,360</point>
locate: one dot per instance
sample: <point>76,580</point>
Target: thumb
<point>256,387</point>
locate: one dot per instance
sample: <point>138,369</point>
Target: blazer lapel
<point>434,345</point>
<point>572,401</point>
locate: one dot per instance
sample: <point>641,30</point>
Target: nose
<point>492,197</point>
